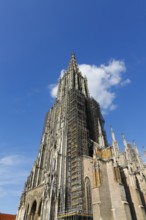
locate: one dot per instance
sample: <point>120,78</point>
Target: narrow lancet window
<point>88,197</point>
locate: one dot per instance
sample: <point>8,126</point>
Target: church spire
<point>73,64</point>
<point>72,79</point>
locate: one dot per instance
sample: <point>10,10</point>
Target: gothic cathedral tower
<point>76,175</point>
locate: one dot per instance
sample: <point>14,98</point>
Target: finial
<point>124,141</point>
<point>123,137</point>
<point>73,64</point>
<point>99,126</point>
<point>113,134</point>
<point>134,143</point>
<point>135,147</point>
<point>101,137</point>
<point>73,54</point>
<point>73,58</point>
<point>114,144</point>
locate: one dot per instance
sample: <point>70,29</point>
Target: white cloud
<point>11,160</point>
<point>62,73</point>
<point>14,170</point>
<point>101,82</point>
<point>125,82</point>
<point>53,90</point>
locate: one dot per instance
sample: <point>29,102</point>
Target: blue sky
<point>36,42</point>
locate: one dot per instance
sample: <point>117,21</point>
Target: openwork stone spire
<point>73,64</point>
<point>72,79</point>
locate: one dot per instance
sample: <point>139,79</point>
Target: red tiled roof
<point>7,217</point>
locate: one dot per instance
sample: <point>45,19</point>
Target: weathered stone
<point>76,174</point>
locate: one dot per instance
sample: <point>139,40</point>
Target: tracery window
<point>88,197</point>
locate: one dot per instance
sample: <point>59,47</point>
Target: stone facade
<point>76,175</point>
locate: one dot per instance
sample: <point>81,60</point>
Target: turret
<point>126,148</point>
<point>115,146</point>
<point>138,157</point>
<point>101,140</point>
<point>127,153</point>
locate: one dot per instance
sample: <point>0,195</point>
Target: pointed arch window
<point>33,210</point>
<point>88,197</point>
